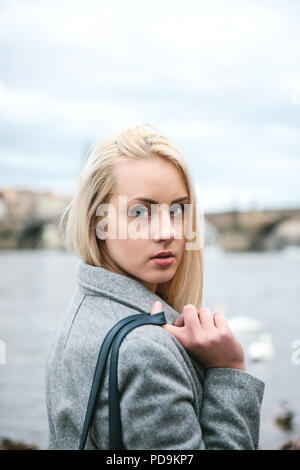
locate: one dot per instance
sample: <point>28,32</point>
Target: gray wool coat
<point>168,400</point>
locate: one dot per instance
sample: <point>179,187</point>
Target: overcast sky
<point>221,79</point>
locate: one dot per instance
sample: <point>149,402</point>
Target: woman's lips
<point>163,261</point>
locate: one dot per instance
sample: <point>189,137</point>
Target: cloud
<point>84,116</point>
<point>221,79</point>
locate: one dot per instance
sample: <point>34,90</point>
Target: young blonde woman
<point>182,385</point>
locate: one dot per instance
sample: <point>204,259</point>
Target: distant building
<point>23,203</point>
<point>3,207</point>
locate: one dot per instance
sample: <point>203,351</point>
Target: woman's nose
<point>162,226</point>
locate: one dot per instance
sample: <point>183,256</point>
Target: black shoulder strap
<point>115,429</point>
<point>113,338</point>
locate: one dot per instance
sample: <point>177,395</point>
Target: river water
<point>36,286</point>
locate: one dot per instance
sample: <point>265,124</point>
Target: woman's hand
<point>207,337</point>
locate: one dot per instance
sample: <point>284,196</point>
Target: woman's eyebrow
<point>152,201</point>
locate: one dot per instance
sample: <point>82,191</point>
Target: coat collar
<point>98,281</point>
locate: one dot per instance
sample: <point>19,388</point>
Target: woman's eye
<point>138,211</point>
<point>178,209</point>
<point>142,211</point>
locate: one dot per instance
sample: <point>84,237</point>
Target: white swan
<point>261,350</point>
<point>291,251</point>
<point>243,324</point>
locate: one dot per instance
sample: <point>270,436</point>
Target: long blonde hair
<point>95,185</point>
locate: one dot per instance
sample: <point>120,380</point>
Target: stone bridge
<point>232,231</point>
<point>256,230</point>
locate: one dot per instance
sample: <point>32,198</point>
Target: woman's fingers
<point>207,337</point>
<point>179,321</point>
<point>187,327</point>
<point>191,320</point>
<point>196,322</point>
<point>174,330</point>
<point>206,319</point>
<point>220,321</point>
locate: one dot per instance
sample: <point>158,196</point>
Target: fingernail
<point>188,306</point>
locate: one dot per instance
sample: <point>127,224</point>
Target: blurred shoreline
<point>38,284</point>
<point>9,444</point>
<point>30,219</point>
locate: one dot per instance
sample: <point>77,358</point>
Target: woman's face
<point>162,182</point>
